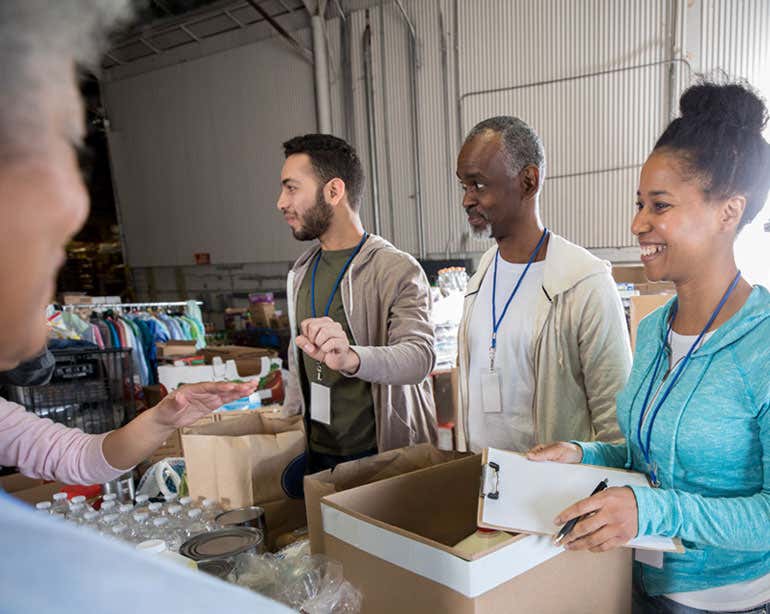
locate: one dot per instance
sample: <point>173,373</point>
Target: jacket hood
<point>373,244</point>
<point>754,312</point>
<point>566,265</point>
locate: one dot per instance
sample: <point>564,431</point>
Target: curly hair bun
<point>735,105</point>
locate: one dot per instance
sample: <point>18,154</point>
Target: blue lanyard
<point>339,277</point>
<point>496,322</point>
<point>645,446</point>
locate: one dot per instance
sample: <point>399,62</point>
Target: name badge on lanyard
<point>491,389</point>
<point>645,443</point>
<point>320,395</point>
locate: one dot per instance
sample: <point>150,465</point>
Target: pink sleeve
<point>44,449</point>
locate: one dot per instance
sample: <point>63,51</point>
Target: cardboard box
<point>248,360</point>
<point>642,306</point>
<point>629,274</point>
<point>173,348</point>
<point>29,490</point>
<point>261,314</point>
<point>394,539</point>
<point>364,471</point>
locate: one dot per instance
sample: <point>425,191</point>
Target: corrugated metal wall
<point>731,39</point>
<point>593,77</point>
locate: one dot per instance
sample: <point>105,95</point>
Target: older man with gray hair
<point>49,565</point>
<point>543,345</point>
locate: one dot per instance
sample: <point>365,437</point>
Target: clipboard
<point>522,496</point>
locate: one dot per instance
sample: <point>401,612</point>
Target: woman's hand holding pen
<point>611,523</point>
<point>611,514</point>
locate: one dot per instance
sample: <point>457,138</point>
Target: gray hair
<point>522,145</point>
<point>41,44</point>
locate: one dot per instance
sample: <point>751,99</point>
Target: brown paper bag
<point>365,471</point>
<point>248,460</point>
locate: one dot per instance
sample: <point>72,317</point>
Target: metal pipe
<point>599,73</point>
<point>413,66</point>
<point>321,71</point>
<point>281,30</point>
<point>386,124</point>
<point>370,124</point>
<point>448,148</point>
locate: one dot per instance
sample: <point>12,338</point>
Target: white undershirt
<point>513,428</point>
<point>739,596</point>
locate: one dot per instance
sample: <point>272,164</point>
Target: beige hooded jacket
<point>582,353</point>
<point>387,303</point>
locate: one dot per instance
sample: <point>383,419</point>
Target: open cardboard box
<point>395,540</point>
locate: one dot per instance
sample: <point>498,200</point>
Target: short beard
<point>485,232</point>
<point>316,220</point>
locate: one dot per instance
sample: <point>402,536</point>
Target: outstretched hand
<point>194,401</point>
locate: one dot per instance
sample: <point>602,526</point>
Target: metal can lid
<point>240,515</point>
<point>221,568</point>
<point>220,544</point>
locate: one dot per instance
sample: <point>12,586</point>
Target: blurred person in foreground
<point>49,565</point>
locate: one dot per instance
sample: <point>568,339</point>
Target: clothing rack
<point>129,305</point>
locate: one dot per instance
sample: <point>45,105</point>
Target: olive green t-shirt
<point>352,429</point>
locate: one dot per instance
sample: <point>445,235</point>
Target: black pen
<point>565,530</point>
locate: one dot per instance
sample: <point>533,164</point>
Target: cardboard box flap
<point>365,471</point>
<point>529,495</point>
<point>406,521</point>
<point>415,505</point>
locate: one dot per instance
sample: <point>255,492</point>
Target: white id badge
<point>653,558</point>
<point>491,400</point>
<point>320,403</point>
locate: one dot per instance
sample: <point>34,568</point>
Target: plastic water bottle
<point>170,499</point>
<point>108,507</point>
<point>91,518</point>
<point>126,510</point>
<point>60,504</point>
<point>163,531</point>
<point>43,506</point>
<point>142,501</point>
<point>120,531</point>
<point>195,524</point>
<point>140,527</point>
<point>80,500</point>
<point>186,502</point>
<point>110,496</point>
<point>76,511</point>
<point>155,509</point>
<point>106,523</point>
<point>211,509</point>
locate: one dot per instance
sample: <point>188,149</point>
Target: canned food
<point>221,568</point>
<point>252,516</point>
<point>222,544</point>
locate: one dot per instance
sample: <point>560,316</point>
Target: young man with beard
<point>360,311</point>
<point>543,345</point>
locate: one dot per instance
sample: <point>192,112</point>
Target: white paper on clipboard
<point>531,494</point>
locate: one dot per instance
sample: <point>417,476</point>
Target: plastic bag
<point>163,478</point>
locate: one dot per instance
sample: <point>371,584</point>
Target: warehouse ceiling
<point>163,25</point>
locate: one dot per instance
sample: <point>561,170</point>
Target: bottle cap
<point>153,545</point>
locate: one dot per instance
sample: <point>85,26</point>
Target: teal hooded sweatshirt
<point>711,444</point>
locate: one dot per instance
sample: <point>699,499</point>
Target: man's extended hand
<point>324,340</point>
